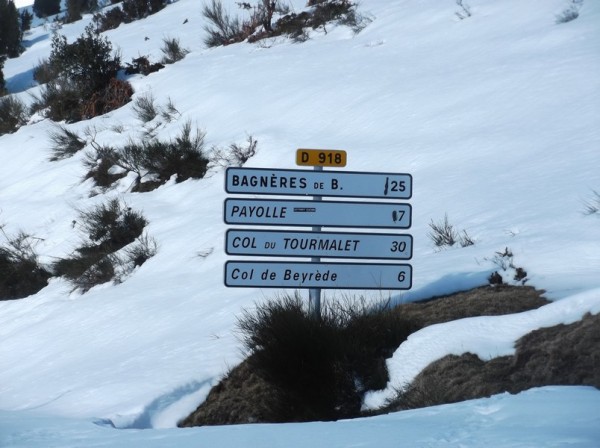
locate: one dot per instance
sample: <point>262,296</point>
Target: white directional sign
<point>283,243</point>
<point>269,212</point>
<point>280,274</point>
<point>318,183</point>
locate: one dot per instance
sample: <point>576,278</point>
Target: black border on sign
<point>308,233</point>
<point>308,203</point>
<point>369,173</point>
<point>317,264</point>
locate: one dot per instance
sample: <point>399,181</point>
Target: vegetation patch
<point>129,11</point>
<point>142,65</point>
<point>443,234</point>
<point>65,143</point>
<point>267,18</point>
<point>172,50</point>
<point>21,274</point>
<point>108,228</point>
<point>559,355</point>
<point>81,78</point>
<point>507,269</point>
<point>287,354</point>
<point>153,161</point>
<point>316,369</point>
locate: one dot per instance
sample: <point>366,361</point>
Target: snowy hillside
<point>495,116</point>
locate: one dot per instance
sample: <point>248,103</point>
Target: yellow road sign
<point>321,157</point>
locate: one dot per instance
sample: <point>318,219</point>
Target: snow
<point>501,421</point>
<point>496,117</point>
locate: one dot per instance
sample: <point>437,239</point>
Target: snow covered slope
<point>496,116</point>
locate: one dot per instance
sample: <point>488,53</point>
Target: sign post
<point>314,294</point>
<point>317,213</point>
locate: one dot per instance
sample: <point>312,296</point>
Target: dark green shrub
<point>108,227</point>
<point>183,156</point>
<point>129,11</point>
<point>142,65</point>
<point>84,84</point>
<point>87,63</point>
<point>75,8</point>
<point>13,114</point>
<point>321,366</point>
<point>110,19</point>
<point>153,161</point>
<point>99,163</point>
<point>145,108</point>
<point>44,8</point>
<point>172,51</point>
<point>112,225</point>
<point>139,9</point>
<point>293,25</point>
<point>20,271</point>
<point>65,143</point>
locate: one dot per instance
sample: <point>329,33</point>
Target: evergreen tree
<point>26,18</point>
<point>87,64</point>
<point>2,84</point>
<point>44,8</point>
<point>10,30</point>
<point>73,11</point>
<point>77,7</point>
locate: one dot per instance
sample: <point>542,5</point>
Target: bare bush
<point>465,10</point>
<point>443,234</point>
<point>235,154</point>
<point>223,28</point>
<point>505,262</point>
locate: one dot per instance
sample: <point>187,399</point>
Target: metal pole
<point>314,294</point>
